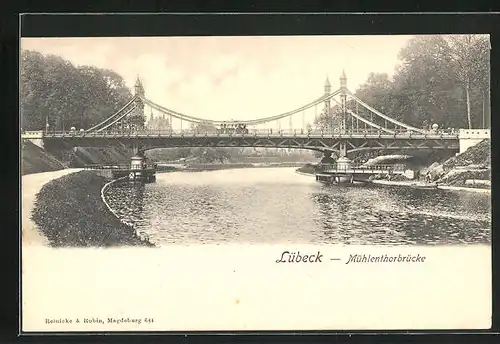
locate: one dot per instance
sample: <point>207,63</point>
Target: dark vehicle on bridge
<point>233,128</point>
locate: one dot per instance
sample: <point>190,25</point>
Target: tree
<point>377,91</point>
<point>327,121</point>
<point>425,85</point>
<point>32,89</point>
<point>470,54</point>
<point>66,96</point>
<point>440,78</point>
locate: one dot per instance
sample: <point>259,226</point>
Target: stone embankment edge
<point>103,189</point>
<point>443,187</point>
<point>459,188</point>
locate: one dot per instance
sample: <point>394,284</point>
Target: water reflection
<point>276,205</point>
<point>127,200</point>
<point>381,215</point>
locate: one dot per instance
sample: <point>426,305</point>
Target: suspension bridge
<point>336,122</point>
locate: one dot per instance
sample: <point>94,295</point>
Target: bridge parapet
<point>364,168</point>
<point>117,166</point>
<point>471,137</point>
<point>400,134</point>
<point>32,134</point>
<point>475,134</point>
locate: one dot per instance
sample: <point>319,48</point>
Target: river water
<point>276,205</point>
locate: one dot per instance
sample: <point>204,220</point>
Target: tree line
<point>440,79</point>
<point>55,92</point>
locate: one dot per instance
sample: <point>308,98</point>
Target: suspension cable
<point>250,122</point>
<point>382,115</point>
<point>117,113</point>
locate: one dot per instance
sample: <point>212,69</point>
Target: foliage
<point>77,217</point>
<point>435,77</point>
<point>327,121</point>
<point>67,96</point>
<point>441,79</point>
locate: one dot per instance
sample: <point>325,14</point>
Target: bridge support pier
<point>343,150</point>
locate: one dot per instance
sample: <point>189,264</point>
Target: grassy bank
<point>69,211</point>
<point>81,156</point>
<point>474,163</point>
<point>35,160</point>
<point>469,170</point>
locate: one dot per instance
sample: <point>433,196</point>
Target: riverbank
<point>69,211</point>
<point>417,184</point>
<point>410,183</point>
<point>469,171</point>
<point>229,166</point>
<point>297,171</point>
<point>30,186</point>
<point>36,160</point>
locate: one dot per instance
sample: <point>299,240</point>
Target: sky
<point>224,78</point>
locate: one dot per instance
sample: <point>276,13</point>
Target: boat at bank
<point>344,171</point>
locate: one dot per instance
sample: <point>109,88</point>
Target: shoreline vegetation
<point>412,183</point>
<point>70,212</point>
<point>469,171</point>
<point>79,216</point>
<point>223,166</point>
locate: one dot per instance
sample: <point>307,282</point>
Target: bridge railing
<point>32,134</point>
<point>106,167</point>
<point>360,167</point>
<point>116,166</point>
<point>252,132</point>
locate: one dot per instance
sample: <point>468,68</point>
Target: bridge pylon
<point>343,100</point>
<point>138,87</point>
<point>328,91</point>
<point>138,117</point>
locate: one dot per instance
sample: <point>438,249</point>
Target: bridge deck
<point>405,135</point>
